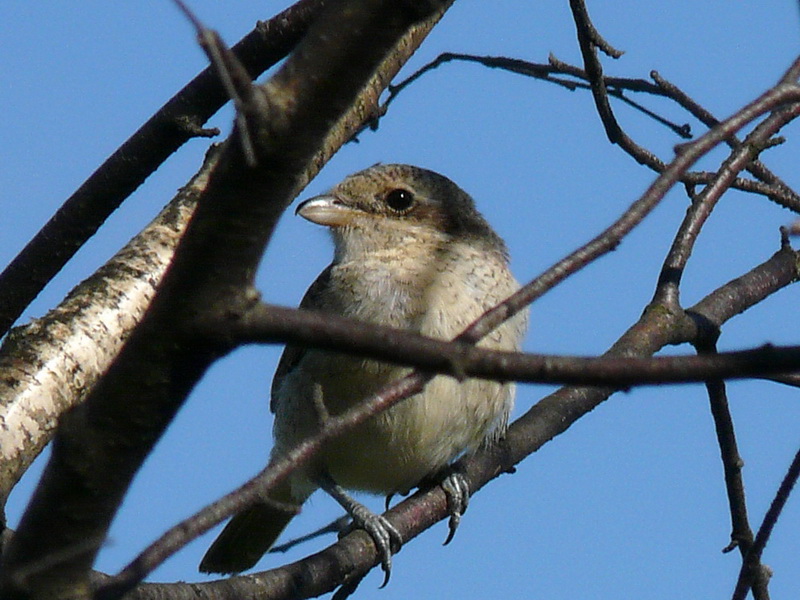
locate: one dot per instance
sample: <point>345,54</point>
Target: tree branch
<point>178,121</point>
<point>770,185</point>
<point>704,203</point>
<point>48,366</point>
<point>355,554</point>
<point>33,393</point>
<point>752,570</point>
<point>101,444</point>
<point>787,198</point>
<point>272,324</point>
<point>732,463</point>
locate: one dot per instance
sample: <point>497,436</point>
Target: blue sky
<point>629,502</point>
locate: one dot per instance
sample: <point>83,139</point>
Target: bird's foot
<point>456,489</point>
<point>385,536</point>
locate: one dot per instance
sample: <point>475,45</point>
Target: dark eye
<point>399,200</point>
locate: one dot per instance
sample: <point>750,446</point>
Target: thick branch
<point>48,366</point>
<point>30,377</point>
<point>179,120</point>
<point>101,444</point>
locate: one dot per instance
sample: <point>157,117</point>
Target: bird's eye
<point>399,200</point>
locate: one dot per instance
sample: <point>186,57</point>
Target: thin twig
<point>278,470</point>
<point>234,77</point>
<point>770,185</point>
<point>752,561</point>
<point>732,463</point>
<point>788,198</point>
<point>704,203</point>
<point>588,41</point>
<point>581,15</point>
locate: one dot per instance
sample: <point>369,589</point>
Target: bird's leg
<point>384,535</point>
<point>456,489</point>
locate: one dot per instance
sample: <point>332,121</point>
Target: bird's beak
<point>326,210</point>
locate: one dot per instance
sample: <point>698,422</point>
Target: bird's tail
<point>249,534</point>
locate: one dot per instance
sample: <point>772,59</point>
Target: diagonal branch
<point>33,392</point>
<point>178,121</point>
<point>321,572</point>
<point>756,167</point>
<point>732,463</point>
<point>769,185</point>
<point>547,72</point>
<point>752,571</point>
<point>702,206</point>
<point>101,444</point>
<point>48,366</point>
<point>589,40</point>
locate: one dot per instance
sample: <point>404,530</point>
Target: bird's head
<point>394,205</point>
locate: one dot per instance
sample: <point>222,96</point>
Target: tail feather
<point>245,539</point>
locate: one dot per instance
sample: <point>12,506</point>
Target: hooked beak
<point>326,210</point>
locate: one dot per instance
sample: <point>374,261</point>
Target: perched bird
<point>411,252</point>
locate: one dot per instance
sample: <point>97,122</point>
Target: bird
<point>411,251</point>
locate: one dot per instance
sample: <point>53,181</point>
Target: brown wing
<point>292,355</point>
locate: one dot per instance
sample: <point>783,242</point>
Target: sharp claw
<point>387,573</point>
<point>384,535</point>
<point>456,489</point>
<point>452,525</point>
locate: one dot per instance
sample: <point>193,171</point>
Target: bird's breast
<point>394,450</point>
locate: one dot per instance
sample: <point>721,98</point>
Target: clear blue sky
<point>628,503</point>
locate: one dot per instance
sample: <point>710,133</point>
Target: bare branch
<point>788,198</point>
<point>588,40</point>
<point>213,265</point>
<point>588,30</point>
<point>554,414</point>
<point>770,185</point>
<point>781,94</point>
<point>174,124</point>
<point>32,381</point>
<point>752,569</point>
<point>704,203</point>
<point>179,535</point>
<point>272,324</point>
<point>732,463</point>
<point>48,366</point>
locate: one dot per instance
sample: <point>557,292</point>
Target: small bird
<point>411,252</point>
